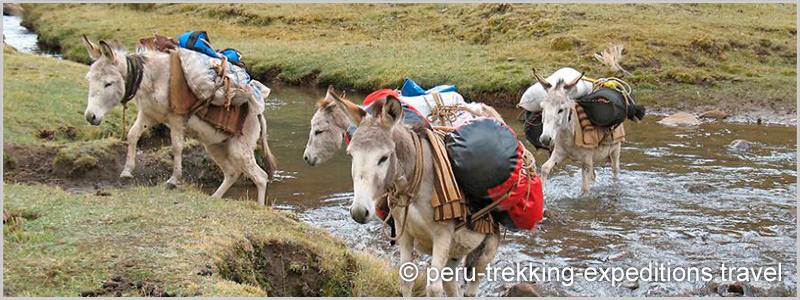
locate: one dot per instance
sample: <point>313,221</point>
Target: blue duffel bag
<point>197,40</point>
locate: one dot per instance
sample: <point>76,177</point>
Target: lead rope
<point>408,196</point>
<point>124,125</point>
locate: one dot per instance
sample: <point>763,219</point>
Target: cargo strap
<point>402,196</point>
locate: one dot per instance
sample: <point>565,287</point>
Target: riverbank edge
<point>738,113</point>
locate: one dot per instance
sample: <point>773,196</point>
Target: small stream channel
<point>683,198</point>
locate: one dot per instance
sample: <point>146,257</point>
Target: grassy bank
<point>62,244</point>
<point>44,99</point>
<point>690,56</point>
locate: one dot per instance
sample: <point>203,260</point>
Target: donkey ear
<point>353,112</point>
<point>574,82</point>
<point>546,85</point>
<point>329,94</point>
<point>106,50</point>
<point>392,112</point>
<point>94,50</point>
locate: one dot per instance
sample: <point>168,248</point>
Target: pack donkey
<point>558,132</point>
<point>386,160</point>
<point>116,77</point>
<point>329,127</point>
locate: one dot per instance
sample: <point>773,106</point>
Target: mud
<point>38,165</point>
<point>280,269</point>
<point>120,286</point>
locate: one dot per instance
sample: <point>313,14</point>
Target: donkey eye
<point>108,84</point>
<point>560,110</point>
<point>383,159</point>
<point>318,132</point>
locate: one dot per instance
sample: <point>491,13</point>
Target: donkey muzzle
<point>92,118</point>
<point>545,140</point>
<point>359,214</point>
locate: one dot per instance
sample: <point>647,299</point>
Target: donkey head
<point>375,162</point>
<point>328,126</point>
<point>106,79</point>
<point>556,108</point>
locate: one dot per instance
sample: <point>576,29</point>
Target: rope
<point>124,125</point>
<point>397,198</point>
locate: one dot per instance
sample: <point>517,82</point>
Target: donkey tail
<point>266,153</point>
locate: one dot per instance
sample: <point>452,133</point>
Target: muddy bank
<point>88,167</point>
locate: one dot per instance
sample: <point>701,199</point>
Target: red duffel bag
<point>489,164</point>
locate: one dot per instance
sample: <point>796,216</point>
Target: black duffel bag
<point>608,108</point>
<point>532,123</point>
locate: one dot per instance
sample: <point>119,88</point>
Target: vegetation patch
<point>106,244</point>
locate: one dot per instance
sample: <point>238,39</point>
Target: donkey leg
<point>615,160</point>
<point>176,135</point>
<point>555,158</point>
<point>406,244</point>
<point>141,124</point>
<point>258,176</point>
<point>588,176</point>
<point>485,256</point>
<point>219,154</point>
<point>452,287</point>
<point>441,253</point>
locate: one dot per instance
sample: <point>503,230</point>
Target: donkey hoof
<point>170,186</point>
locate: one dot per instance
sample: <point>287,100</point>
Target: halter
<point>134,79</point>
<point>402,197</point>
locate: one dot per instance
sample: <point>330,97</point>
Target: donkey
<point>383,159</point>
<point>558,132</point>
<point>113,79</point>
<point>329,127</point>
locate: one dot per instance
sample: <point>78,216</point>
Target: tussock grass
<point>77,242</point>
<point>738,57</point>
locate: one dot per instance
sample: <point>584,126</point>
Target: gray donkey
<point>558,133</point>
<point>110,82</point>
<point>384,158</point>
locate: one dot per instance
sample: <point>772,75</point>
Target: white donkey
<point>116,77</point>
<point>558,133</point>
<point>329,127</point>
<point>385,159</point>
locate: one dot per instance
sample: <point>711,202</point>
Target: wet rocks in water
<point>725,289</point>
<point>680,119</point>
<point>714,114</point>
<point>700,188</point>
<point>740,146</point>
<point>522,290</point>
<point>534,289</point>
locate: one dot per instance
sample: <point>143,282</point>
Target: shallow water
<point>21,38</point>
<point>646,216</point>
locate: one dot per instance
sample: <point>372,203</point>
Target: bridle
<point>399,196</point>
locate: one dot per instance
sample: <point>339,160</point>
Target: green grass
<point>67,243</point>
<point>48,94</point>
<point>740,57</point>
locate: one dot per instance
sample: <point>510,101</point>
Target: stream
<point>683,198</point>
